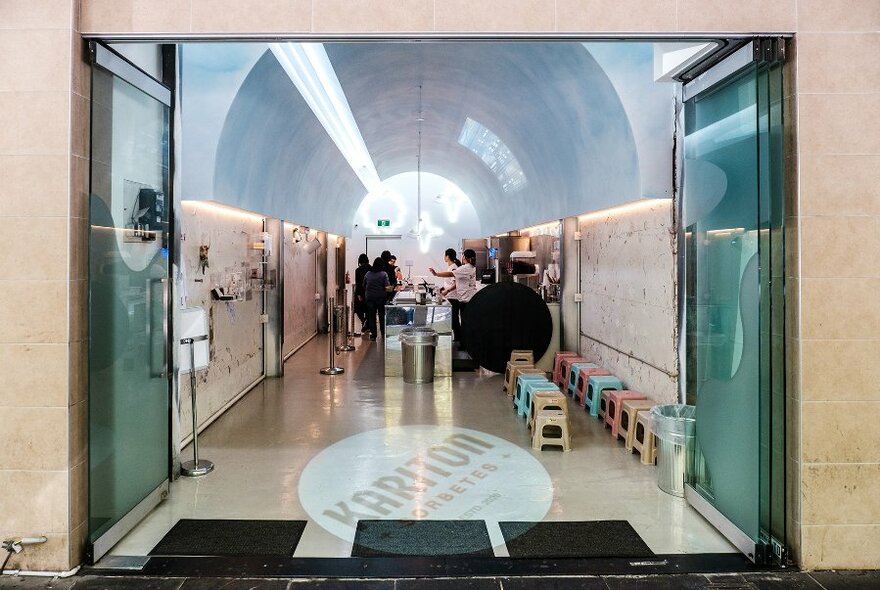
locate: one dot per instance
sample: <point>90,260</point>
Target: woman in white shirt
<point>465,278</point>
<point>448,290</point>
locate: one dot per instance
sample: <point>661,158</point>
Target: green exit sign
<point>384,223</point>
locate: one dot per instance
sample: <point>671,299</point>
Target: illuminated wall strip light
<point>309,68</point>
<point>628,208</point>
<point>550,225</point>
<point>223,209</point>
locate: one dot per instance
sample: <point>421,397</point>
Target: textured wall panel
<point>300,311</point>
<point>235,329</point>
<point>628,315</point>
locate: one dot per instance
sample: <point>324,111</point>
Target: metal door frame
<point>758,50</point>
<point>105,58</point>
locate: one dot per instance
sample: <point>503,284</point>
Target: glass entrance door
<point>732,215</point>
<point>129,387</point>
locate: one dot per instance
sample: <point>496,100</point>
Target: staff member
<point>448,291</point>
<point>465,277</point>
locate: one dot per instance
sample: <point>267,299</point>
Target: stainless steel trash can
<point>419,347</point>
<point>674,430</point>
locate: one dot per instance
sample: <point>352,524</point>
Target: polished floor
<point>331,449</point>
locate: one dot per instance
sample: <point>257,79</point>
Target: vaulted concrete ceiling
<point>550,104</point>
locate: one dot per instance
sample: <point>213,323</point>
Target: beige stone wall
<point>42,280</point>
<point>838,128</point>
<point>832,289</point>
<point>628,277</point>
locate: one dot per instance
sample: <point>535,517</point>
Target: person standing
<point>448,290</point>
<point>465,279</point>
<point>465,285</point>
<point>360,302</point>
<point>386,257</point>
<point>375,295</point>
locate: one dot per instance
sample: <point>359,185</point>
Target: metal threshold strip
<point>446,567</point>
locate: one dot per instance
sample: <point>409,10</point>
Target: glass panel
<point>733,213</point>
<point>128,390</point>
<point>721,217</point>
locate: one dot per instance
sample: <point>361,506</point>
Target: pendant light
<point>416,232</point>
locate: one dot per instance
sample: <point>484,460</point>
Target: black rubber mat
<point>421,538</point>
<point>232,538</point>
<point>598,538</point>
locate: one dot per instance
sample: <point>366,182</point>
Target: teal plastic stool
<point>530,387</point>
<point>596,385</point>
<point>521,381</point>
<point>575,369</point>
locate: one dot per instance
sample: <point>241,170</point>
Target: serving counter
<point>401,315</point>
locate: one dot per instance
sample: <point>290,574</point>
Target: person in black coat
<point>360,302</point>
<point>376,288</point>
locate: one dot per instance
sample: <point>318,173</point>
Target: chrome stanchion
<point>331,368</point>
<point>352,315</point>
<point>347,341</point>
<point>197,466</point>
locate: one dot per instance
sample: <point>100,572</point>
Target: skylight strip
<point>309,68</point>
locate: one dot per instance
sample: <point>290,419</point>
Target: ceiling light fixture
<point>417,231</point>
<point>309,68</point>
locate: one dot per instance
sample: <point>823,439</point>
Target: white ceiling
<point>551,104</point>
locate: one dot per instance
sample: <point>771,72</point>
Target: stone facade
<point>834,155</point>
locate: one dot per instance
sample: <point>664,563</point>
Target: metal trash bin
<point>674,431</point>
<point>419,347</point>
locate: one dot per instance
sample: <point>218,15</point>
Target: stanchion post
<point>352,314</point>
<point>347,343</point>
<point>197,466</point>
<point>331,368</point>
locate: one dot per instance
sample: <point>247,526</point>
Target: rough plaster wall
<point>236,335</point>
<point>628,316</point>
<point>300,286</point>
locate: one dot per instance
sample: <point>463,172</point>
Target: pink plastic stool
<point>615,407</point>
<point>565,368</point>
<point>580,392</point>
<point>557,365</point>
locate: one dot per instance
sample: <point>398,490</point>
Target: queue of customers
<point>377,282</point>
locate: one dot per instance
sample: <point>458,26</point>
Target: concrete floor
<point>279,434</point>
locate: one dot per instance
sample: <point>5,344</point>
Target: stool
<point>516,371</point>
<point>509,378</point>
<point>557,364</point>
<point>526,356</point>
<point>580,390</point>
<point>546,400</point>
<point>565,368</point>
<point>573,372</point>
<point>519,400</point>
<point>603,405</point>
<point>613,410</point>
<point>643,438</point>
<point>531,387</point>
<point>595,386</point>
<point>630,408</point>
<point>551,419</point>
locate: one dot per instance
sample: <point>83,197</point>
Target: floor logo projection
<point>423,472</point>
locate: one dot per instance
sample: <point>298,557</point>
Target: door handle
<point>162,373</point>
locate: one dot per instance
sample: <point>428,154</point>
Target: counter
<point>402,314</point>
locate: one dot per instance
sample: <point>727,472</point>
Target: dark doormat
<point>232,538</point>
<point>598,538</point>
<point>421,538</point>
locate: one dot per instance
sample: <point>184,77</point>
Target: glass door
<point>734,280</point>
<point>129,386</point>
